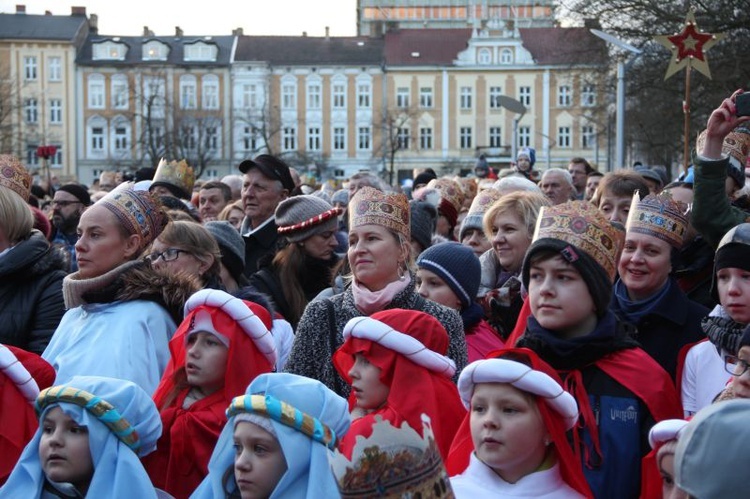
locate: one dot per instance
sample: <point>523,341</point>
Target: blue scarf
<point>633,311</point>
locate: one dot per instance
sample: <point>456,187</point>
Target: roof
<point>308,50</point>
<point>175,57</point>
<point>38,27</point>
<point>563,46</point>
<point>434,46</point>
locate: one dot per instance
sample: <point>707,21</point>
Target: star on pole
<point>688,47</point>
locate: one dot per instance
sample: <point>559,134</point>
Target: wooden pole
<point>686,110</point>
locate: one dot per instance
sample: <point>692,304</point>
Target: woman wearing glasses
<point>121,312</point>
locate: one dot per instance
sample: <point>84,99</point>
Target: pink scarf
<point>368,302</point>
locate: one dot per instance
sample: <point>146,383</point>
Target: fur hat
<point>457,266</point>
<point>78,191</point>
<point>423,222</point>
<point>389,210</point>
<point>479,206</point>
<point>581,234</point>
<point>178,177</point>
<point>301,217</point>
<point>231,244</point>
<point>14,176</point>
<point>658,216</point>
<point>140,212</point>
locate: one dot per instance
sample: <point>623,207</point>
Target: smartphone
<point>742,104</point>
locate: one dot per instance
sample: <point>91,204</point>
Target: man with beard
<point>67,206</point>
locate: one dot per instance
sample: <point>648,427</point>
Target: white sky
<point>211,17</point>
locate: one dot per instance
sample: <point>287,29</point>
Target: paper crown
<point>736,145</point>
<point>138,211</point>
<point>393,463</point>
<point>371,206</point>
<point>658,216</point>
<point>585,227</point>
<point>176,174</point>
<point>450,190</point>
<point>14,176</point>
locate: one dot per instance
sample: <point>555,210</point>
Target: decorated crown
<point>14,176</point>
<point>659,216</point>
<point>178,174</point>
<point>371,206</point>
<point>736,145</point>
<point>393,463</point>
<point>483,201</point>
<point>585,227</point>
<point>450,190</point>
<point>138,211</point>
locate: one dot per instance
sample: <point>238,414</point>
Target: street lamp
<point>620,127</point>
<point>517,107</point>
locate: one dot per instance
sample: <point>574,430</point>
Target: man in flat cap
<point>69,203</point>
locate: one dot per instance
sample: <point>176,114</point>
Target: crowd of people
<point>553,334</point>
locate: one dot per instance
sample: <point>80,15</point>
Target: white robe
<point>480,481</point>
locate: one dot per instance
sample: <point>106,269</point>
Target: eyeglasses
<point>735,365</point>
<point>63,204</point>
<point>167,255</point>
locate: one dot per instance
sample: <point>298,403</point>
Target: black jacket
<point>31,299</point>
<point>260,247</point>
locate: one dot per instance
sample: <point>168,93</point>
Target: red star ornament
<point>689,47</point>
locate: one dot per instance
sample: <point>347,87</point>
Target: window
<point>524,136</point>
<point>30,110</point>
<point>339,96</point>
<point>155,51</point>
<point>402,97</point>
<point>402,138</point>
<point>187,92</point>
<point>288,96</point>
<point>313,96</point>
<point>210,97</point>
<point>55,111</point>
<point>188,137</point>
<point>54,69</point>
<point>496,136</point>
<point>363,138</point>
<point>588,137</point>
<point>249,139</point>
<point>465,137</point>
<point>563,136</point>
<point>363,96</point>
<point>31,158</point>
<point>495,94</point>
<point>200,52</point>
<point>56,160</point>
<point>97,139</point>
<point>466,97</point>
<point>524,96</point>
<point>249,96</point>
<point>96,91</point>
<point>506,56</point>
<point>563,96</point>
<point>485,56</point>
<point>109,50</point>
<point>313,138</point>
<point>425,97</point>
<point>588,96</point>
<point>121,138</point>
<point>289,138</point>
<point>119,91</point>
<point>339,139</point>
<point>29,68</point>
<point>212,138</point>
<point>425,138</point>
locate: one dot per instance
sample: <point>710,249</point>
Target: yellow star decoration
<point>688,47</point>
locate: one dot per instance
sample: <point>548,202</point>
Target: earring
<point>401,273</point>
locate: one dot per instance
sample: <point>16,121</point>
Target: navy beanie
<point>457,265</point>
<point>423,221</point>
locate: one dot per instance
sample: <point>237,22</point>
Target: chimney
<point>78,11</point>
<point>178,32</point>
<point>47,12</point>
<point>237,32</point>
<point>20,9</point>
<point>304,34</point>
<point>328,32</point>
<point>93,24</point>
<point>147,32</point>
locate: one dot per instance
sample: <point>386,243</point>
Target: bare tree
<point>396,127</point>
<point>262,123</point>
<point>9,104</point>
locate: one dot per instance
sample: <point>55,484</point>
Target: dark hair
<point>226,191</point>
<point>582,161</point>
<point>621,183</point>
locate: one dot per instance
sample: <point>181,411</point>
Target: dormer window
<point>109,51</point>
<point>155,51</point>
<point>201,51</point>
<point>485,56</point>
<point>506,56</point>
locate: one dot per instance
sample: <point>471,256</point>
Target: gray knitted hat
<point>423,221</point>
<point>231,244</point>
<point>340,196</point>
<point>301,217</point>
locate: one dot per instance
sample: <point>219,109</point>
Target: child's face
<point>523,163</point>
<point>259,462</point>
<point>432,287</point>
<point>205,362</point>
<point>669,488</point>
<point>644,265</point>
<point>507,430</point>
<point>64,450</point>
<point>368,390</point>
<point>560,300</point>
<point>733,285</point>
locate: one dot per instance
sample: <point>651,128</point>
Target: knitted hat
<point>301,217</point>
<point>479,206</point>
<point>733,252</point>
<point>468,187</point>
<point>14,176</point>
<point>41,221</point>
<point>390,210</point>
<point>424,178</point>
<point>340,196</point>
<point>178,177</point>
<point>457,266</point>
<point>451,198</point>
<point>648,173</point>
<point>659,216</point>
<point>737,147</point>
<point>586,240</point>
<point>138,211</point>
<point>231,244</point>
<point>272,167</point>
<point>423,222</point>
<point>78,191</point>
<point>530,153</point>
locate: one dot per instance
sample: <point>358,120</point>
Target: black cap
<point>272,167</point>
<point>78,191</point>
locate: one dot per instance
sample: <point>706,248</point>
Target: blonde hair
<point>15,216</point>
<point>224,214</point>
<point>523,204</point>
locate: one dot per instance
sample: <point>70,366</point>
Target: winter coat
<point>31,298</point>
<point>500,299</point>
<point>260,246</point>
<point>313,346</point>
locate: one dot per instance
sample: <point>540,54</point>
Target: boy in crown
<point>568,271</point>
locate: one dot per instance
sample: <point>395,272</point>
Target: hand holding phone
<point>742,104</point>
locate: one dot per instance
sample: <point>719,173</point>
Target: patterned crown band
<point>14,176</point>
<point>736,145</point>
<point>138,211</point>
<point>658,216</point>
<point>310,222</point>
<point>370,206</point>
<point>101,409</point>
<point>484,200</point>
<point>449,190</point>
<point>271,407</point>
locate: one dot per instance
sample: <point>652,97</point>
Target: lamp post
<point>517,107</point>
<point>620,119</point>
